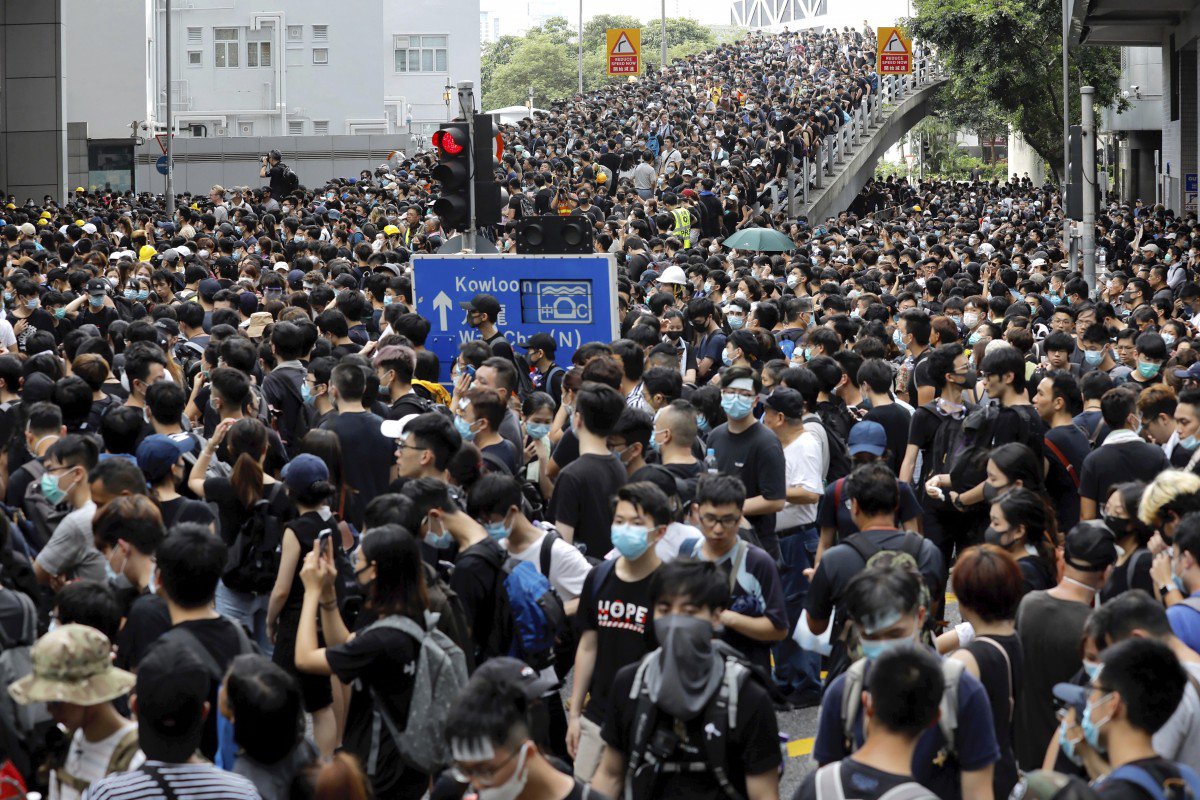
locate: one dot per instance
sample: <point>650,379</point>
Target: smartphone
<point>325,540</point>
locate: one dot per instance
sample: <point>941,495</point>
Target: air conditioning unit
<point>198,130</point>
<point>247,129</point>
<point>221,130</point>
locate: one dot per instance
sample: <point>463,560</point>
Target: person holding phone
<point>306,478</point>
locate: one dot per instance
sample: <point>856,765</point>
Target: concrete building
<point>266,68</point>
<point>1154,144</point>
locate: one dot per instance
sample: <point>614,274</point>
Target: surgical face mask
<point>708,287</point>
<point>736,323</point>
<point>8,297</point>
<point>1148,370</point>
<point>793,281</point>
<point>1189,442</point>
<point>439,540</point>
<point>60,312</point>
<point>537,430</point>
<point>1168,339</point>
<point>726,359</point>
<point>34,303</point>
<point>974,338</point>
<point>464,429</point>
<point>702,423</point>
<point>970,319</point>
<point>1091,728</point>
<point>131,294</point>
<point>739,294</point>
<point>497,530</point>
<point>1093,357</point>
<point>95,301</point>
<point>512,788</point>
<point>631,540</point>
<point>1067,745</point>
<point>306,393</point>
<point>52,489</point>
<point>387,299</point>
<point>1092,668</point>
<point>736,406</point>
<point>873,648</point>
<point>898,338</point>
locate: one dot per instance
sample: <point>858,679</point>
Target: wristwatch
<point>956,501</point>
<point>1165,590</point>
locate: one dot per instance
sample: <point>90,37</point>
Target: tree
<point>494,55</point>
<point>538,62</point>
<point>1007,55</point>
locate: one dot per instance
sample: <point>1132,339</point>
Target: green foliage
<point>1004,60</point>
<point>546,57</point>
<point>885,168</point>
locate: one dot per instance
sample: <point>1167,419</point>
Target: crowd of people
<point>253,548</point>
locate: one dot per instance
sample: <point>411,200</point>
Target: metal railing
<point>837,148</point>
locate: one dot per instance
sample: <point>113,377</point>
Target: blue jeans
<point>797,671</point>
<point>246,609</point>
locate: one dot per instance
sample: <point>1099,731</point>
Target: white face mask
<point>512,788</point>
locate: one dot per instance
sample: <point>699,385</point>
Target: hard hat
<point>673,274</point>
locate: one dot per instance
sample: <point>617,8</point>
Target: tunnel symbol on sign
<point>564,302</point>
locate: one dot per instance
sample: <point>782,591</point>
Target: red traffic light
<point>444,140</point>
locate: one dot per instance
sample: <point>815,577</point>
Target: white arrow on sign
<point>442,304</point>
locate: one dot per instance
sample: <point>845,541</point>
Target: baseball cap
<point>539,341</point>
<point>867,437</point>
<point>786,401</point>
<point>1090,546</point>
<point>72,664</point>
<point>304,470</point>
<point>209,287</point>
<point>482,303</point>
<point>167,326</point>
<point>517,674</point>
<point>1153,248</point>
<point>1191,373</point>
<point>158,453</point>
<point>247,303</point>
<point>394,428</point>
<point>1072,695</point>
<point>97,286</point>
<point>172,687</point>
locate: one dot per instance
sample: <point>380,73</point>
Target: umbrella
<point>762,240</point>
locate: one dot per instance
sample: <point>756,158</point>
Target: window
<point>295,33</point>
<point>424,53</point>
<point>258,54</point>
<point>320,55</point>
<point>295,127</point>
<point>194,58</point>
<point>193,35</point>
<point>320,33</point>
<point>225,47</point>
<point>320,127</point>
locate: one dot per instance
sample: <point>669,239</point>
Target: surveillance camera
<point>1125,94</point>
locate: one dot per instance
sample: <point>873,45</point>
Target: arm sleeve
<point>771,470</point>
<point>564,507</point>
<point>819,602</point>
<point>829,744</point>
<point>63,550</point>
<point>568,569</point>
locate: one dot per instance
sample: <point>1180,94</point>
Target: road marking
<point>800,747</point>
<point>951,597</point>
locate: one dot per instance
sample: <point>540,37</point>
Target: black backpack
<point>253,562</point>
<point>967,463</point>
<point>945,441</point>
<point>525,385</point>
<point>291,181</point>
<point>839,454</point>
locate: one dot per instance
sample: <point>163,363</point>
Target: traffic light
<point>453,172</point>
<point>552,234</point>
<point>461,161</point>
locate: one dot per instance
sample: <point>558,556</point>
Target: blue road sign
<point>1189,182</point>
<point>161,165</point>
<point>572,298</point>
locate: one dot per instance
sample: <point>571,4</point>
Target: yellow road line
<point>950,597</point>
<point>800,747</point>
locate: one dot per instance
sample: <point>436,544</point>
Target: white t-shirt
<point>568,567</point>
<point>805,466</point>
<point>88,761</point>
<point>8,338</point>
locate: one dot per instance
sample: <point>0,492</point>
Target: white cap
<point>394,428</point>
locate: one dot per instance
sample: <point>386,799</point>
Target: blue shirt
<point>1185,622</point>
<point>974,740</point>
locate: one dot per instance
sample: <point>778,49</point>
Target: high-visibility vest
<point>683,225</point>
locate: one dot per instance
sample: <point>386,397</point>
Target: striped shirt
<point>187,782</point>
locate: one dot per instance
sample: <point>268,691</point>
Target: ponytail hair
<point>247,445</point>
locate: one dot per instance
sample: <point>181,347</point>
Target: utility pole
<point>662,48</point>
<point>581,46</point>
<point>466,105</point>
<point>1066,98</point>
<point>170,133</point>
<point>1088,223</point>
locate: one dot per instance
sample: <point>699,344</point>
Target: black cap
<point>787,401</point>
<point>1090,547</point>
<point>484,304</point>
<point>172,687</point>
<point>539,341</point>
<point>517,674</point>
<point>209,288</point>
<point>97,286</point>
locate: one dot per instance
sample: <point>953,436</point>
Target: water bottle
<point>710,463</point>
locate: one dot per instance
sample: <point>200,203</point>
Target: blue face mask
<point>537,430</point>
<point>1148,370</point>
<point>1091,728</point>
<point>60,312</point>
<point>1189,442</point>
<point>630,540</point>
<point>654,444</point>
<point>808,354</point>
<point>1067,746</point>
<point>95,301</point>
<point>1092,669</point>
<point>497,530</point>
<point>898,338</point>
<point>1168,339</point>
<point>464,429</point>
<point>1093,357</point>
<point>1054,299</point>
<point>51,489</point>
<point>974,338</point>
<point>439,541</point>
<point>735,406</point>
<point>736,323</point>
<point>872,648</point>
<point>8,297</point>
<point>143,294</point>
<point>702,423</point>
<point>306,393</point>
<point>726,359</point>
<point>131,294</point>
<point>387,299</point>
<point>34,303</point>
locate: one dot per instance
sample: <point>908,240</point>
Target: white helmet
<point>673,274</point>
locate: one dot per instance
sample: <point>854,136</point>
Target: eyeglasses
<point>736,393</point>
<point>712,521</point>
<point>468,774</point>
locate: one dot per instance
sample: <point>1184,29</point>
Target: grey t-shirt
<point>274,781</point>
<point>1179,739</point>
<point>71,550</point>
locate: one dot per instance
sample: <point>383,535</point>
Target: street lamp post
<point>447,91</point>
<point>662,49</point>
<point>170,145</point>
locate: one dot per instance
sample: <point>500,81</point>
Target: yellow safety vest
<point>683,225</point>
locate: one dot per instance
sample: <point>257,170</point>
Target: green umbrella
<point>762,240</point>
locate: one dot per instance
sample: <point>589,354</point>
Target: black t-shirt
<point>1111,464</point>
<point>383,659</point>
<point>446,788</point>
<point>583,499</point>
<point>230,511</point>
<point>182,509</point>
<point>147,620</point>
<point>101,317</point>
<point>896,421</point>
<point>369,455</point>
<point>756,456</point>
<point>1036,574</point>
<point>1161,770</point>
<point>1073,445</point>
<point>410,403</point>
<point>1133,574</point>
<point>476,581</point>
<point>859,782</point>
<point>38,320</point>
<point>1019,423</point>
<point>621,613</point>
<point>752,747</point>
<point>918,376</point>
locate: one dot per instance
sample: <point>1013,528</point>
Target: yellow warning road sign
<point>624,51</point>
<point>894,52</point>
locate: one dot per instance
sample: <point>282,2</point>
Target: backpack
<point>43,514</point>
<point>685,488</point>
<point>649,756</point>
<point>253,562</point>
<point>967,464</point>
<point>905,556</point>
<point>839,454</point>
<point>452,617</point>
<point>829,787</point>
<point>1185,787</point>
<point>945,442</point>
<point>227,748</point>
<point>788,339</point>
<point>852,689</point>
<point>291,181</point>
<point>525,385</point>
<point>16,661</point>
<point>529,614</point>
<point>440,677</point>
<point>120,760</point>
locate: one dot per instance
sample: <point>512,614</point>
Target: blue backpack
<point>529,613</point>
<point>1185,787</point>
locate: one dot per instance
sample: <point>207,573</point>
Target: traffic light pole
<point>466,103</point>
<point>1088,223</point>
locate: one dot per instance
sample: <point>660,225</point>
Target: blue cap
<point>158,453</point>
<point>867,437</point>
<point>304,470</point>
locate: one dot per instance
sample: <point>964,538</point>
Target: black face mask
<point>674,336</point>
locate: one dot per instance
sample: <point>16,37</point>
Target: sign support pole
<point>1088,223</point>
<point>466,104</point>
<point>170,144</point>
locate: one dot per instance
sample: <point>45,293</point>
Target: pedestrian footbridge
<point>847,159</point>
